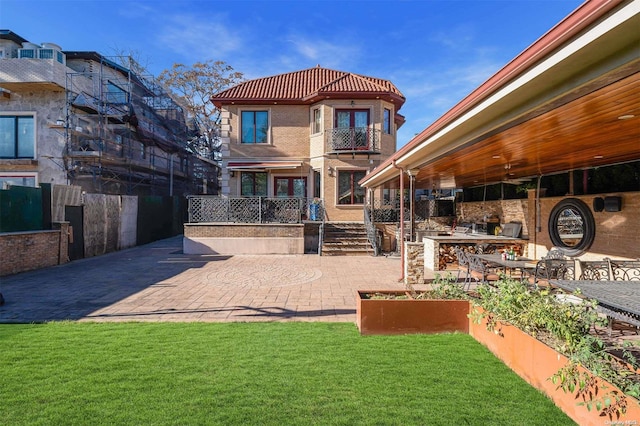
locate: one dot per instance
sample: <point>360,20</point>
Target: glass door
<point>355,123</point>
<point>290,187</point>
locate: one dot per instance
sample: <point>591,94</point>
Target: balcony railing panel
<point>354,139</point>
<point>254,209</point>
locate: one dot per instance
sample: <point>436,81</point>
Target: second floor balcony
<point>24,73</point>
<point>353,140</point>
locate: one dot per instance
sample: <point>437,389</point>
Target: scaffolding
<point>125,135</point>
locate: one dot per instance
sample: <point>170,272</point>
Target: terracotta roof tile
<point>307,86</point>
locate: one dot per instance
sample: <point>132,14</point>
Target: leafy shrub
<point>563,322</point>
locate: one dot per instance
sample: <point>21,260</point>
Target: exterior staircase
<point>345,239</point>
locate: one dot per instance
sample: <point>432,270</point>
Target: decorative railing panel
<point>354,139</point>
<point>254,209</point>
<point>389,211</point>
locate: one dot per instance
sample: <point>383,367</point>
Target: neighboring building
<point>83,119</point>
<point>309,133</point>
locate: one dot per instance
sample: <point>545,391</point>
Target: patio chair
<point>555,253</point>
<point>463,264</point>
<point>481,272</point>
<point>552,269</point>
<point>625,270</point>
<point>594,270</point>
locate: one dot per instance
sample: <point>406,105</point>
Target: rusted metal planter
<point>536,362</point>
<point>407,316</point>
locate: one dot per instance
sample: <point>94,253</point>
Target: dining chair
<point>625,270</point>
<point>481,272</point>
<point>552,269</point>
<point>463,264</point>
<point>597,270</point>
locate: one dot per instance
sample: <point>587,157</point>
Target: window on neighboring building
<point>349,192</point>
<point>253,184</point>
<point>317,121</point>
<point>27,179</point>
<point>17,136</point>
<point>387,121</point>
<point>116,94</point>
<point>255,126</point>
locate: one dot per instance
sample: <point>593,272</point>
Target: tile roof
<point>308,86</point>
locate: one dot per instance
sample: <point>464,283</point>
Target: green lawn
<point>256,373</point>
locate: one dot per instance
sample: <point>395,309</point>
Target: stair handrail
<point>370,227</point>
<point>321,229</point>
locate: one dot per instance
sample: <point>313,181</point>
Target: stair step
<point>346,239</point>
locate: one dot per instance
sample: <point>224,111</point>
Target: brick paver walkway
<point>157,282</point>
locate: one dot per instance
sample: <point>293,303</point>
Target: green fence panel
<point>21,209</point>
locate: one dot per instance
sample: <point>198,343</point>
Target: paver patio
<point>157,282</point>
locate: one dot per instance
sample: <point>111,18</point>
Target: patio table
<point>617,299</point>
<point>524,264</point>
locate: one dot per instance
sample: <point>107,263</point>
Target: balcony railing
<point>203,208</point>
<point>354,140</point>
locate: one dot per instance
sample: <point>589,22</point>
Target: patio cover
<point>263,165</point>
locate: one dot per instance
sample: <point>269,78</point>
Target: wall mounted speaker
<point>598,204</point>
<point>612,204</point>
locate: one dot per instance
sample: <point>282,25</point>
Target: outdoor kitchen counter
<point>438,249</point>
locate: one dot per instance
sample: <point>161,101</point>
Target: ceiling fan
<point>508,177</point>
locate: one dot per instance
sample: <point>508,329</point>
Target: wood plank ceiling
<point>599,128</point>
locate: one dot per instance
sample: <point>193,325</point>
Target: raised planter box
<point>536,363</point>
<point>528,357</point>
<point>405,316</point>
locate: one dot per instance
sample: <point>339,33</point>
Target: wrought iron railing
<point>354,139</point>
<point>372,233</point>
<point>389,211</point>
<point>207,208</point>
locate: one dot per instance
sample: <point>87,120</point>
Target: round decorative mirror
<point>571,226</point>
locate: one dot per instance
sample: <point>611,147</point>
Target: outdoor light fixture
<point>330,171</point>
<point>232,173</point>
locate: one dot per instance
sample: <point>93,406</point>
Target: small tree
<point>193,87</point>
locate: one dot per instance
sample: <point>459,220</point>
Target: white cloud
<point>200,38</point>
<point>338,55</point>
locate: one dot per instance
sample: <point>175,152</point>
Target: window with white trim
<point>254,126</point>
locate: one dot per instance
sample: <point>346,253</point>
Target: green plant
<point>446,287</point>
<point>563,322</point>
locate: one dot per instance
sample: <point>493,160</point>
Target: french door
<point>355,127</point>
<point>290,186</point>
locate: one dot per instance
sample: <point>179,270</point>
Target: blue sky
<point>435,52</point>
